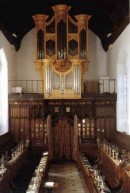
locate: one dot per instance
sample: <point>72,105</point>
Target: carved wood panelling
<point>26,116</point>
<point>105,119</point>
<point>50,137</point>
<point>26,121</point>
<point>122,140</point>
<point>38,132</point>
<point>5,143</point>
<point>126,181</point>
<point>89,149</point>
<point>75,139</point>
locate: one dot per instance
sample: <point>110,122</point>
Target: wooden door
<point>62,140</point>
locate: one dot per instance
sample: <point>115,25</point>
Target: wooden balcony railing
<point>99,86</point>
<point>25,86</point>
<point>88,86</point>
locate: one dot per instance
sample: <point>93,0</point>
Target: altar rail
<point>88,86</point>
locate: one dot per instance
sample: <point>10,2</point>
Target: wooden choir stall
<point>10,165</point>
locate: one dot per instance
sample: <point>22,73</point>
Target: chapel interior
<point>64,96</point>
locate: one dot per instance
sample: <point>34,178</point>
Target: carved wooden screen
<point>38,132</point>
<point>86,129</point>
<point>62,140</point>
<point>105,119</point>
<point>19,121</point>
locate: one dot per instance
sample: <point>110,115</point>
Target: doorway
<point>62,131</point>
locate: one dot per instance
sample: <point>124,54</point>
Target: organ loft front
<point>62,117</point>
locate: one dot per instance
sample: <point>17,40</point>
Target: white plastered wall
<point>118,59</point>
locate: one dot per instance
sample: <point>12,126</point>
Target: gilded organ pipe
<point>62,50</point>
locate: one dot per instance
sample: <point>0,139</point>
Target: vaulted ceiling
<point>109,17</point>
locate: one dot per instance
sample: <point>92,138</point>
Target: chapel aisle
<point>68,177</point>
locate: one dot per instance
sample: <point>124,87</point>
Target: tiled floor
<point>69,179</point>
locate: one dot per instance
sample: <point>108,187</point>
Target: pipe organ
<point>61,52</point>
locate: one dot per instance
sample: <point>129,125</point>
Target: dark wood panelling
<point>38,132</point>
<point>126,178</point>
<point>106,118</point>
<point>122,139</point>
<point>6,143</point>
<point>25,112</point>
<point>89,149</point>
<point>26,121</point>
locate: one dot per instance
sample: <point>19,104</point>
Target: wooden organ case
<point>62,52</point>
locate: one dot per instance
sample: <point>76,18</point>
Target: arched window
<point>3,93</point>
<point>123,89</point>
